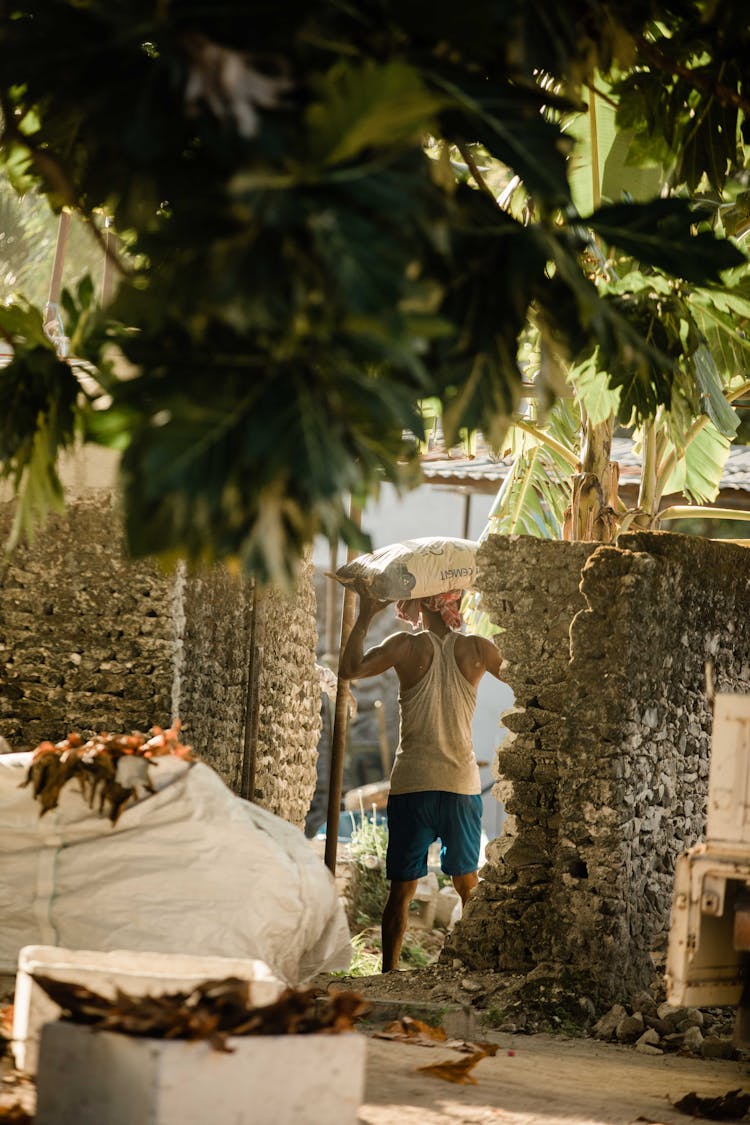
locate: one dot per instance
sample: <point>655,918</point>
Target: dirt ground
<point>533,1079</point>
<point>547,1080</point>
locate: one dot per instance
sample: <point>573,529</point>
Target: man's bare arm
<point>355,663</point>
<point>490,655</point>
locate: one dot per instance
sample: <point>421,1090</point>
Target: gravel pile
<point>655,1028</point>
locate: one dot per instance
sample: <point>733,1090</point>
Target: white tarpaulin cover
<point>189,869</point>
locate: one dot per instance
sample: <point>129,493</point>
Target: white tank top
<point>435,749</point>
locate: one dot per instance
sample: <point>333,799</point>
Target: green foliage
<point>28,233</point>
<point>308,262</point>
<point>658,234</point>
<point>419,948</point>
<point>697,473</point>
<point>536,491</point>
<point>369,843</point>
<point>367,957</point>
<point>682,105</point>
<point>37,416</point>
<point>368,106</point>
<point>723,317</point>
<point>617,178</point>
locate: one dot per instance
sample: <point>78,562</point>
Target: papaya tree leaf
<point>658,233</point>
<point>592,389</point>
<point>368,106</point>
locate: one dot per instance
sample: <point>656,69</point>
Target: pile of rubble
<point>656,1028</point>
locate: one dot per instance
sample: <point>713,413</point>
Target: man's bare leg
<point>465,884</point>
<point>395,916</point>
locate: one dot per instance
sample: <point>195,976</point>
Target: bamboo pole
<point>340,720</point>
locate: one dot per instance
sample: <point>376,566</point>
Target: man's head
<point>446,605</point>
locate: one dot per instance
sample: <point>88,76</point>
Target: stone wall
<point>289,693</point>
<point>91,641</point>
<point>605,779</point>
<point>86,638</point>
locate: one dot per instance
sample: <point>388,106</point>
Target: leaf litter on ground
<point>458,1071</point>
<point>409,1030</point>
<point>420,1034</point>
<point>732,1106</point>
<point>406,1029</point>
<point>15,1115</point>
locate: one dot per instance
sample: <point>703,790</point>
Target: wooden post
<point>340,721</point>
<point>332,590</point>
<point>467,514</point>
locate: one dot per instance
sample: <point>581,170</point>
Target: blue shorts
<point>416,820</point>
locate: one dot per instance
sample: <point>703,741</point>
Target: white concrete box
<point>728,813</point>
<point>89,1077</point>
<point>137,973</point>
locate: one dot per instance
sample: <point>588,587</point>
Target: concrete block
<point>91,1077</point>
<point>137,973</point>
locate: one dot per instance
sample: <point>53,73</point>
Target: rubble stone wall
<point>211,690</point>
<point>90,641</point>
<point>289,694</point>
<point>530,588</point>
<point>85,636</point>
<point>606,777</point>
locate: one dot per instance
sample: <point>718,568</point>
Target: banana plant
<point>699,333</point>
<point>683,449</point>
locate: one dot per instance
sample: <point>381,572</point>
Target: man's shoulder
<point>402,641</point>
<point>469,640</point>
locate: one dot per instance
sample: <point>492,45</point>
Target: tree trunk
<point>592,514</point>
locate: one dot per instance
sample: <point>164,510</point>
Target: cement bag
<point>189,869</point>
<point>414,568</point>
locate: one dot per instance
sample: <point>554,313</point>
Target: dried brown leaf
<point>212,1011</point>
<point>731,1106</point>
<point>15,1115</point>
<point>94,765</point>
<point>408,1028</point>
<point>458,1071</point>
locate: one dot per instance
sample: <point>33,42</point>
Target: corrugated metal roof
<point>483,472</point>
